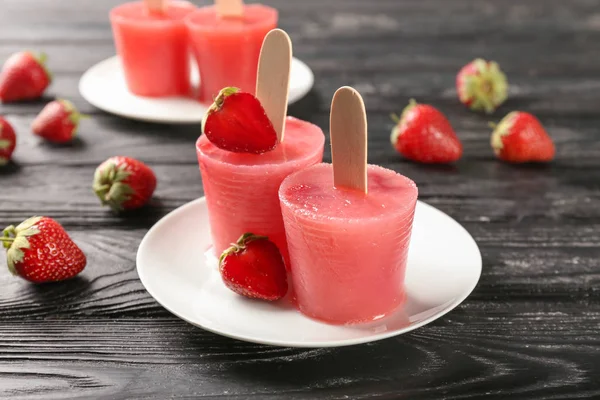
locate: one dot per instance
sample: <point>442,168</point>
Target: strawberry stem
<point>395,117</point>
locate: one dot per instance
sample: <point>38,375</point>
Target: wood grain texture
<point>530,330</point>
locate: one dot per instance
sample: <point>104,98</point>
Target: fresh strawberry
<point>57,122</point>
<point>481,85</point>
<point>520,138</point>
<point>423,134</point>
<point>253,267</point>
<point>237,122</point>
<point>124,183</point>
<point>39,250</point>
<point>8,141</point>
<point>24,76</point>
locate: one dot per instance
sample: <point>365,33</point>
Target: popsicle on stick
<point>241,188</point>
<point>273,78</point>
<point>229,8</point>
<point>348,130</point>
<point>226,44</point>
<point>156,6</point>
<point>152,42</point>
<point>348,248</point>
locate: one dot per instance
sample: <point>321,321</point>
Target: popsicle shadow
<point>61,293</point>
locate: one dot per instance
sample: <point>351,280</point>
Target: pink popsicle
<point>153,48</point>
<point>348,249</point>
<point>226,49</point>
<point>241,188</point>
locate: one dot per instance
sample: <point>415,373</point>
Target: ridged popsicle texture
<point>348,250</point>
<point>241,189</point>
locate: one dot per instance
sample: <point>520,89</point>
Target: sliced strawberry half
<point>237,122</point>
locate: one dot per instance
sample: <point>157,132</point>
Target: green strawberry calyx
<point>218,102</point>
<point>110,185</point>
<point>41,59</point>
<point>74,115</point>
<point>4,144</point>
<point>240,245</point>
<point>487,88</point>
<point>502,129</point>
<point>15,239</point>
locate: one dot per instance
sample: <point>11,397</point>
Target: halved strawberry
<point>253,267</point>
<point>237,122</point>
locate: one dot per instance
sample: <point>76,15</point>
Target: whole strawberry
<point>8,141</point>
<point>57,122</point>
<point>481,85</point>
<point>520,138</point>
<point>124,183</point>
<point>237,122</point>
<point>253,267</point>
<point>423,134</point>
<point>39,250</point>
<point>24,77</point>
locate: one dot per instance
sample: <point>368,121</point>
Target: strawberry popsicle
<point>241,188</point>
<point>227,48</point>
<point>348,248</point>
<point>153,48</point>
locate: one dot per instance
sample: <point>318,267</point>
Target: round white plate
<point>444,265</point>
<point>103,86</point>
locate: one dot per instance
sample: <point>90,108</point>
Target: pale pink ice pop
<point>348,249</point>
<point>241,188</point>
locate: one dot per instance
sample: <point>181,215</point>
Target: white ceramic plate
<point>444,265</point>
<point>103,86</point>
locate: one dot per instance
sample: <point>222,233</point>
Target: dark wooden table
<point>531,329</point>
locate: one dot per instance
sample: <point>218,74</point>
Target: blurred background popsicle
<point>151,40</point>
<point>226,45</point>
<point>348,230</point>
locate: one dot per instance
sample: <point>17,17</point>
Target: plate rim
<point>153,119</point>
<point>311,344</point>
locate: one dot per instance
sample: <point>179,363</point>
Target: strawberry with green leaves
<point>39,250</point>
<point>521,138</point>
<point>124,183</point>
<point>8,141</point>
<point>423,134</point>
<point>24,77</point>
<point>57,122</point>
<point>482,86</point>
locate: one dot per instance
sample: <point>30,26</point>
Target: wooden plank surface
<point>530,330</point>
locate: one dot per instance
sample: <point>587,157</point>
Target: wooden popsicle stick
<point>156,6</point>
<point>229,8</point>
<point>348,132</point>
<point>273,79</point>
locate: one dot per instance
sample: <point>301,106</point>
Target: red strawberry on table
<point>124,183</point>
<point>24,77</point>
<point>520,138</point>
<point>39,250</point>
<point>481,85</point>
<point>57,122</point>
<point>8,141</point>
<point>253,267</point>
<point>423,134</point>
<point>237,122</point>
